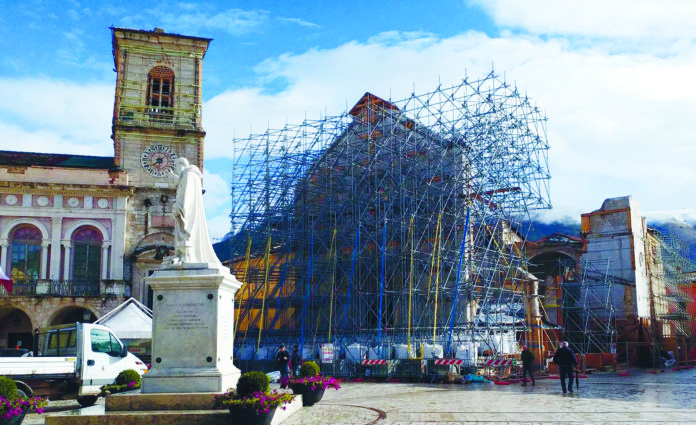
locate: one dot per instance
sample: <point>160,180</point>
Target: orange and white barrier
<point>456,362</point>
<point>498,363</point>
<point>375,362</point>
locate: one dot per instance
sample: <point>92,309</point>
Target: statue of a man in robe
<point>191,240</point>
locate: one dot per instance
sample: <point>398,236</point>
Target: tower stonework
<point>156,119</point>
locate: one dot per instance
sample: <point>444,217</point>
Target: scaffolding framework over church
<point>395,223</point>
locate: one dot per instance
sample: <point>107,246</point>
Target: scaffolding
<point>396,226</point>
<point>589,319</point>
<point>669,270</point>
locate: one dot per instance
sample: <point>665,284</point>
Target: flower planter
<point>242,416</point>
<point>15,420</point>
<point>309,395</point>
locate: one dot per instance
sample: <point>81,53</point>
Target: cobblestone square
<point>666,398</point>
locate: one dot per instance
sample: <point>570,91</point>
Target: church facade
<point>78,234</point>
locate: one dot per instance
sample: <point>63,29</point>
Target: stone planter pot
<point>242,416</point>
<point>15,420</point>
<point>309,396</point>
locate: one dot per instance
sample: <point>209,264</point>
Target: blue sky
<point>615,78</point>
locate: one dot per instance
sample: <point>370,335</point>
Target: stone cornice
<point>177,279</point>
<point>100,191</point>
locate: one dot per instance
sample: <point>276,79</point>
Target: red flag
<point>5,281</point>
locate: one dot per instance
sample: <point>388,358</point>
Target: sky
<point>616,79</point>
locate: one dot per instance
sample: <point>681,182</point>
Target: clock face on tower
<point>158,160</point>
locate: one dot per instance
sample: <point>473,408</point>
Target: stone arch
<point>548,263</point>
<point>76,225</point>
<point>16,326</point>
<point>70,314</point>
<point>5,235</point>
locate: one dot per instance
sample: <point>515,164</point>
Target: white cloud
<point>217,191</point>
<point>300,22</point>
<point>618,121</point>
<point>218,225</point>
<point>190,20</point>
<point>627,19</point>
<point>48,116</point>
<point>687,216</point>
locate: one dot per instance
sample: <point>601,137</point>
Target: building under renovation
<point>622,288</point>
<point>395,229</point>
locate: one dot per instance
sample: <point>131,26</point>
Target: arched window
<point>87,244</point>
<point>25,251</point>
<point>160,92</point>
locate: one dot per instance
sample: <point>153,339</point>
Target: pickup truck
<point>71,362</point>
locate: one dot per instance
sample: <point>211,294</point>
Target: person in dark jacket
<point>565,360</point>
<point>527,358</point>
<point>282,358</point>
<point>296,360</point>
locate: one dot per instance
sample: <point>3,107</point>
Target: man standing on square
<point>282,358</point>
<point>296,360</point>
<point>527,358</point>
<point>565,359</point>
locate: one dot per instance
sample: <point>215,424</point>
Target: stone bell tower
<point>156,119</point>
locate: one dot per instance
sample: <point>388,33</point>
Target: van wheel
<point>87,400</point>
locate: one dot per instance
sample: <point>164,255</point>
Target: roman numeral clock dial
<point>158,160</point>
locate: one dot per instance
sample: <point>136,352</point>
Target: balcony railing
<point>74,289</point>
<point>67,288</point>
<point>20,289</point>
<point>155,116</point>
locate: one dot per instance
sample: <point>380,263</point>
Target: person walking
<point>282,358</point>
<point>296,360</point>
<point>565,360</point>
<point>527,358</point>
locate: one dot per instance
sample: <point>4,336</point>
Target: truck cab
<point>74,361</point>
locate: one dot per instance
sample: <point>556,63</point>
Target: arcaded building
<point>79,233</point>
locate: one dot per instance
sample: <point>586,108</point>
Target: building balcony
<point>161,117</point>
<point>68,288</point>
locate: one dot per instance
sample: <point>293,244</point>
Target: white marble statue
<point>192,242</point>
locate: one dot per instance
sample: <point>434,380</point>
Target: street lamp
<point>86,315</point>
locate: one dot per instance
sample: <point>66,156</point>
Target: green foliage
<point>127,376</point>
<point>261,402</point>
<point>8,388</point>
<point>113,388</point>
<point>252,382</point>
<point>309,369</point>
<point>258,401</point>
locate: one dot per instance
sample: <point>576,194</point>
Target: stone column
<point>105,262</point>
<point>66,262</point>
<point>3,256</point>
<point>192,330</point>
<point>118,237</point>
<point>44,259</point>
<point>54,273</point>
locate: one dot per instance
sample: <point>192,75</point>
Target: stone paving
<point>667,398</point>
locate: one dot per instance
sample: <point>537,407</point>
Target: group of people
<point>564,358</point>
<point>284,360</point>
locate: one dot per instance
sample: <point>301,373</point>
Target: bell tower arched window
<point>87,244</point>
<point>25,251</point>
<point>160,92</point>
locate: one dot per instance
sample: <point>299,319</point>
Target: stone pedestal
<point>192,330</point>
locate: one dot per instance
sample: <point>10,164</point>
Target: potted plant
<point>127,380</point>
<point>311,384</point>
<point>14,403</point>
<point>252,403</point>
